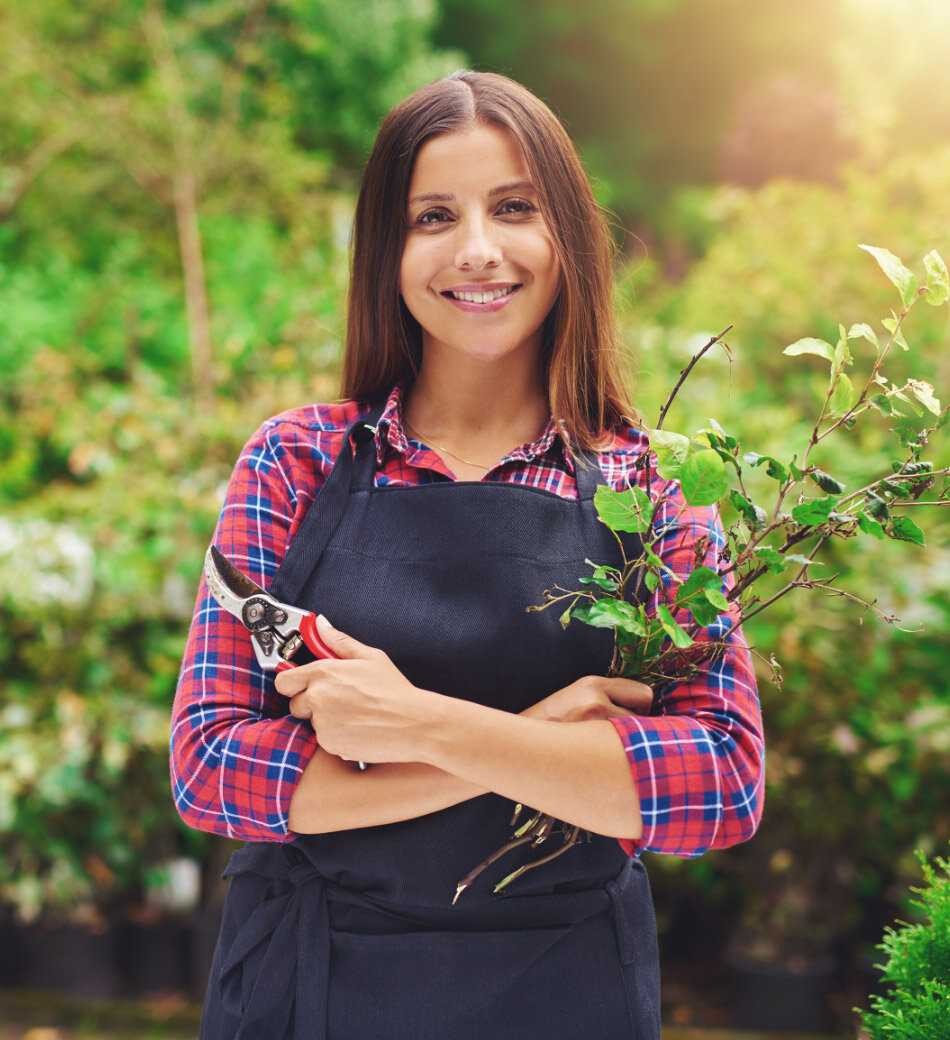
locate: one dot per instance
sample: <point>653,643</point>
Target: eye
<point>527,208</point>
<point>421,219</point>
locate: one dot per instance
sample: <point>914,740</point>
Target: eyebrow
<point>434,196</point>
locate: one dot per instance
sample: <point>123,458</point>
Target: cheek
<point>542,256</point>
<point>418,268</point>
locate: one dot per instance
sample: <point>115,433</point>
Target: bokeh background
<point>177,181</point>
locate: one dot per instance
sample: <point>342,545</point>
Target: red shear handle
<point>308,629</point>
<point>310,635</point>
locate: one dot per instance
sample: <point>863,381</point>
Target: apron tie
<point>286,989</point>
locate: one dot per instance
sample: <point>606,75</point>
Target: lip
<point>482,308</point>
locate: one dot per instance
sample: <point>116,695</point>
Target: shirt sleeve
<point>236,754</point>
<point>698,765</point>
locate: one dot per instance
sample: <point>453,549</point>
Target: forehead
<point>468,162</point>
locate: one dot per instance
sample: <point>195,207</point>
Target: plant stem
<point>685,372</point>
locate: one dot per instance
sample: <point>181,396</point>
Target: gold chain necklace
<point>446,450</point>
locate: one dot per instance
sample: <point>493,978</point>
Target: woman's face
<point>477,235</point>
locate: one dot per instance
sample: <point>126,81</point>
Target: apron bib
<point>351,935</point>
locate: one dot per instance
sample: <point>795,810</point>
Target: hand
<point>594,697</point>
<point>361,706</point>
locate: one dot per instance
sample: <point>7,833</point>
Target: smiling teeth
<point>482,297</point>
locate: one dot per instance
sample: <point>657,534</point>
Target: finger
<point>294,680</point>
<point>628,690</point>
<point>629,694</point>
<point>638,706</point>
<point>299,707</point>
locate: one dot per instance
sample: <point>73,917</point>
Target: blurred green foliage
<point>111,479</point>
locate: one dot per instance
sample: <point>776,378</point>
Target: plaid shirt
<point>236,754</point>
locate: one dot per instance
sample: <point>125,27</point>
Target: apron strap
<point>588,477</point>
<point>320,521</point>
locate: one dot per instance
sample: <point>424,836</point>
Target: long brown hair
<point>581,351</point>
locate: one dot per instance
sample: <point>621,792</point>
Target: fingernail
<point>323,623</point>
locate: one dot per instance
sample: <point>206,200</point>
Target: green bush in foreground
<point>918,968</point>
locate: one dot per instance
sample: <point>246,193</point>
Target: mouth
<point>490,305</point>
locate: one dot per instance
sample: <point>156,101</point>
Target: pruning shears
<point>280,634</point>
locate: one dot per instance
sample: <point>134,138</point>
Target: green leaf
<point>815,512</point>
<point>610,613</point>
<point>891,324</point>
<point>938,282</point>
<point>870,526</point>
<point>899,275</point>
<point>826,482</point>
<point>904,528</point>
<point>877,507</point>
<point>653,558</point>
<point>629,510</point>
<point>703,612</point>
<point>725,444</point>
<point>775,469</point>
<point>565,618</point>
<point>608,584</point>
<point>651,580</point>
<point>671,451</point>
<point>703,478</point>
<point>728,439</point>
<point>842,353</point>
<point>842,397</point>
<point>900,488</point>
<point>810,345</point>
<point>882,404</point>
<point>753,515</point>
<point>698,579</point>
<point>924,393</point>
<point>671,627</point>
<point>773,559</point>
<point>601,570</point>
<point>862,331</point>
<point>914,407</point>
<point>716,598</point>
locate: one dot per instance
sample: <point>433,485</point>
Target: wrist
<point>441,716</point>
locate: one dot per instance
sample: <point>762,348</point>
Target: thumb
<point>339,642</point>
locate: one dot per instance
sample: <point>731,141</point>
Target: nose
<point>477,246</point>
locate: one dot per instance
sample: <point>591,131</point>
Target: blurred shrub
<point>106,521</point>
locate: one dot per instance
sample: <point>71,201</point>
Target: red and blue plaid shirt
<point>236,754</point>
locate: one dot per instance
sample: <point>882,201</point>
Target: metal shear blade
<point>274,626</point>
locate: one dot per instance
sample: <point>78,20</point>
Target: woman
<point>422,514</point>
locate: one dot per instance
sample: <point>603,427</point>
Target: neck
<point>488,415</point>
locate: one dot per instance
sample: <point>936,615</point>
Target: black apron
<point>352,935</point>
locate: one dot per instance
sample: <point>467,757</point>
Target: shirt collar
<point>390,430</point>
